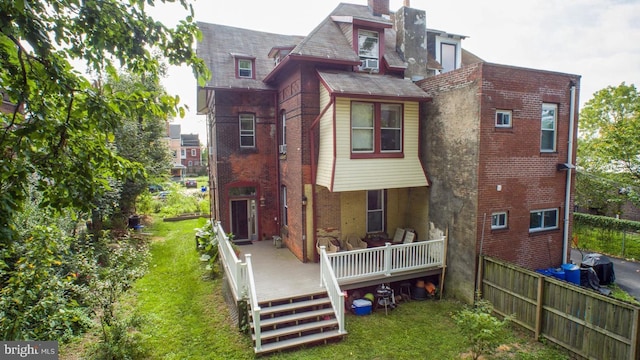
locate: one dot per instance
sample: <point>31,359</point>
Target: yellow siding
<point>371,174</point>
<point>325,157</point>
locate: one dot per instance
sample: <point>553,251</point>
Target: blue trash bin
<point>571,273</point>
<point>557,273</point>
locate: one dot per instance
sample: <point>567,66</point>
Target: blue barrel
<point>544,272</point>
<point>571,273</point>
<point>557,273</point>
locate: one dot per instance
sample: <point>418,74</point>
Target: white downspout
<point>567,199</point>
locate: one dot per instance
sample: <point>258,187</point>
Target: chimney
<point>411,40</point>
<point>379,7</point>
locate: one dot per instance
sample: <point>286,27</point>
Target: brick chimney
<point>411,41</point>
<point>379,7</point>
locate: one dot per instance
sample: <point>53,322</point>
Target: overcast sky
<point>597,39</point>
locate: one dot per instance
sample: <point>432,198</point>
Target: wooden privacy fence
<point>584,322</point>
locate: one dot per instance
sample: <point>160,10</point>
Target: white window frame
<point>285,207</point>
<point>549,126</point>
<point>247,133</point>
<point>193,152</point>
<point>376,210</point>
<point>458,51</point>
<point>284,128</point>
<point>183,153</point>
<point>190,163</point>
<point>499,220</point>
<point>500,119</point>
<point>244,71</point>
<point>542,214</point>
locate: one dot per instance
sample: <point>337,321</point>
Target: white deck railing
<point>236,270</point>
<point>328,281</point>
<point>387,260</point>
<point>253,300</point>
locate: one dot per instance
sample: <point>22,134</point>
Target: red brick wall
<point>256,166</point>
<point>298,96</point>
<point>512,159</point>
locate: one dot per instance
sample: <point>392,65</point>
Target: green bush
<point>484,331</point>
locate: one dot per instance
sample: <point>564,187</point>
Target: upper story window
<point>245,68</point>
<point>498,220</point>
<point>375,211</point>
<point>369,50</point>
<point>503,118</point>
<point>548,127</point>
<point>448,58</point>
<point>193,152</point>
<point>183,153</point>
<point>283,125</point>
<point>540,220</point>
<point>376,128</point>
<point>247,130</point>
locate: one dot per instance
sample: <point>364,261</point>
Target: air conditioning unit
<point>282,149</point>
<point>369,64</point>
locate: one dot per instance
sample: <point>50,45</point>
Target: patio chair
<point>409,237</point>
<point>330,247</point>
<point>353,242</point>
<point>399,236</point>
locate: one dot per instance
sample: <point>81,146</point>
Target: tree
<point>65,133</point>
<point>608,148</point>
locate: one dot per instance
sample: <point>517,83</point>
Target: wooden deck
<point>279,274</point>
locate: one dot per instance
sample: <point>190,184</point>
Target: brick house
<point>374,122</point>
<point>190,153</point>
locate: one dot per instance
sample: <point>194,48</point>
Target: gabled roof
<point>219,45</point>
<point>366,85</point>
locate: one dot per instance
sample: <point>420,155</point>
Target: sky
<point>597,39</point>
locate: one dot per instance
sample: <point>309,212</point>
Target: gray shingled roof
<point>189,140</point>
<point>220,42</point>
<point>360,84</point>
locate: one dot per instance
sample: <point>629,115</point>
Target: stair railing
<point>235,269</point>
<point>328,281</point>
<point>253,301</point>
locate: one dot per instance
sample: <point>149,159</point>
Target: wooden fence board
<point>586,323</point>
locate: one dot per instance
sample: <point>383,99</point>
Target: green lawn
<point>187,318</point>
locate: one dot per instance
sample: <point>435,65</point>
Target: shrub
<point>485,331</point>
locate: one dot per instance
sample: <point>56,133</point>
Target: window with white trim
<point>376,128</point>
<point>448,56</point>
<point>498,220</point>
<point>183,153</point>
<point>548,127</point>
<point>247,130</point>
<point>285,207</point>
<point>503,118</point>
<point>375,211</point>
<point>540,220</point>
<point>193,152</point>
<point>283,142</point>
<point>245,68</point>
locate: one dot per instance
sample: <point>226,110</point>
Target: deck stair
<point>295,322</point>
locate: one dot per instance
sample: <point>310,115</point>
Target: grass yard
<point>187,318</point>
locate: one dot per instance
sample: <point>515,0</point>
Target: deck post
<point>322,265</point>
<point>387,259</point>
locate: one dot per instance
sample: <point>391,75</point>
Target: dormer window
<point>245,68</point>
<point>369,50</point>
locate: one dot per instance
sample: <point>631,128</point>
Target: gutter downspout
<point>567,199</point>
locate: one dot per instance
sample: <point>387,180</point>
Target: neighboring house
<point>177,170</point>
<point>190,153</point>
<point>374,122</point>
